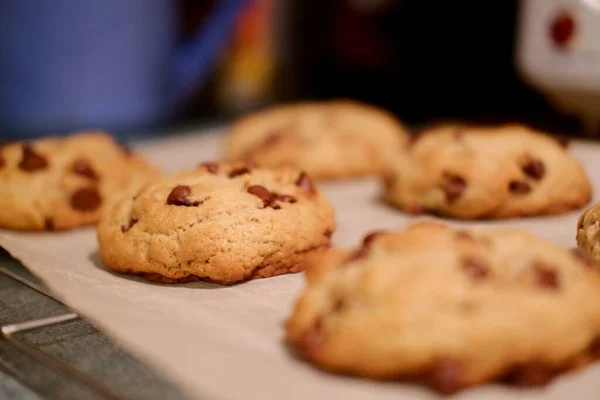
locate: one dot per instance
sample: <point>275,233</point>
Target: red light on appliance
<point>562,29</point>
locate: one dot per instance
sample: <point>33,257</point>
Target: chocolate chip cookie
<point>449,308</point>
<point>486,172</point>
<point>222,223</point>
<point>333,139</point>
<point>61,183</point>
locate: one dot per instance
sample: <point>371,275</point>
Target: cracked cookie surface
<point>328,140</point>
<point>449,308</point>
<point>486,172</point>
<point>65,182</point>
<point>222,223</point>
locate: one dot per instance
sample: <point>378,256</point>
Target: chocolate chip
<point>211,167</point>
<point>358,254</point>
<point>476,269</point>
<point>132,222</point>
<point>274,206</point>
<point>328,233</point>
<point>305,182</point>
<point>446,376</point>
<point>519,187</point>
<point>2,159</point>
<point>529,375</point>
<point>286,198</point>
<point>82,167</point>
<point>453,187</point>
<point>583,258</point>
<point>546,276</point>
<point>370,237</point>
<point>31,160</point>
<point>49,224</point>
<point>533,168</point>
<point>179,197</point>
<point>594,348</point>
<point>86,199</point>
<point>246,169</point>
<point>262,193</point>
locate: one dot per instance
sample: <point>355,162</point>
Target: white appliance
<point>558,53</point>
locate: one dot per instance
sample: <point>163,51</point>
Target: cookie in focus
<point>65,182</point>
<point>222,223</point>
<point>329,140</point>
<point>486,172</point>
<point>449,308</point>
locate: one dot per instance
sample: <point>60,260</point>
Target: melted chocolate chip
<point>262,193</point>
<point>529,375</point>
<point>453,187</point>
<point>533,168</point>
<point>519,187</point>
<point>49,224</point>
<point>328,233</point>
<point>446,376</point>
<point>83,168</point>
<point>476,269</point>
<point>86,199</point>
<point>583,258</point>
<point>305,182</point>
<point>246,169</point>
<point>211,167</point>
<point>132,222</point>
<point>546,276</point>
<point>286,198</point>
<point>179,197</point>
<point>594,348</point>
<point>31,160</point>
<point>369,238</point>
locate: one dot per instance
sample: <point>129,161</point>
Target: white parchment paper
<point>226,342</point>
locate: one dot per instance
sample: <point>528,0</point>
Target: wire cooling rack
<point>9,335</point>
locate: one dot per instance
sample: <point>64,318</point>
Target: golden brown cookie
<point>222,223</point>
<point>328,140</point>
<point>449,308</point>
<point>486,172</point>
<point>61,183</point>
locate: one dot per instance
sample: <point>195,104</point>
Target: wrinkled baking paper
<point>220,342</point>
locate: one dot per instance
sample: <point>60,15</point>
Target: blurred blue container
<point>112,64</point>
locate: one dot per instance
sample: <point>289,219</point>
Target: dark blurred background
<point>425,61</point>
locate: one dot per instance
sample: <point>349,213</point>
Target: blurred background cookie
<point>222,223</point>
<point>486,172</point>
<point>61,183</point>
<point>335,139</point>
<point>450,308</point>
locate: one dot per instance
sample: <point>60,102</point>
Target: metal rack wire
<point>8,334</point>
